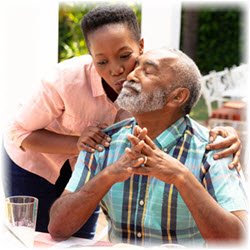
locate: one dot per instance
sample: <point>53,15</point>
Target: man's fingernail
<point>108,139</point>
<point>211,138</point>
<point>99,148</point>
<point>106,144</point>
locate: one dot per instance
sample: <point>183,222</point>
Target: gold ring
<point>145,160</point>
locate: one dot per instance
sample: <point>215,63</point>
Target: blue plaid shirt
<point>146,211</point>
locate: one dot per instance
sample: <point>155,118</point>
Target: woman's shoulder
<point>69,72</point>
<point>75,62</point>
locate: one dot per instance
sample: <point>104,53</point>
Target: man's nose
<point>132,76</point>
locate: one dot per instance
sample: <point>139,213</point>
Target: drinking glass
<point>21,214</point>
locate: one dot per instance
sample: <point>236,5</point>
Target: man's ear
<point>179,97</point>
<point>141,46</point>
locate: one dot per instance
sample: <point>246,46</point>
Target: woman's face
<point>114,53</point>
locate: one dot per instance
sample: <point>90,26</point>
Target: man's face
<point>150,84</point>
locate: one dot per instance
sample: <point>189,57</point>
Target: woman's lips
<point>119,84</point>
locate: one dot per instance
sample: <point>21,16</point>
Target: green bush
<point>220,42</point>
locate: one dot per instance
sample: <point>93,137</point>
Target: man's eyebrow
<point>150,63</point>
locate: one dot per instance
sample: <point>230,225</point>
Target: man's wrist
<point>181,178</point>
<point>109,175</point>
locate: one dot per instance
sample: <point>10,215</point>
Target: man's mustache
<point>133,85</point>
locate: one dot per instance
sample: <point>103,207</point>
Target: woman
<point>74,102</point>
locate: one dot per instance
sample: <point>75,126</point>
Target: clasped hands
<point>145,158</point>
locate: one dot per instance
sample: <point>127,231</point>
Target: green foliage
<point>219,39</point>
<point>71,41</point>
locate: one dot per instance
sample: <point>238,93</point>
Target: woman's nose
<point>117,70</point>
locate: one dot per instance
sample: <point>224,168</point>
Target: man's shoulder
<point>119,126</point>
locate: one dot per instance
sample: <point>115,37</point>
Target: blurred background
<point>213,35</point>
<point>37,34</point>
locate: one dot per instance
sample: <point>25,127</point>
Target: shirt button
<point>141,202</point>
<point>165,150</point>
<point>139,235</point>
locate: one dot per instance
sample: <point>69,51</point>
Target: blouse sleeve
<point>45,105</point>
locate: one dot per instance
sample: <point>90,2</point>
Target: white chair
<point>239,79</point>
<point>226,85</point>
<point>213,86</point>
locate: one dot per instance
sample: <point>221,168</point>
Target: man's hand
<point>231,144</point>
<point>154,161</point>
<point>92,137</point>
<point>121,169</point>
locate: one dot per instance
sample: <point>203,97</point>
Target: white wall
<point>29,40</point>
<point>28,47</point>
<point>161,22</point>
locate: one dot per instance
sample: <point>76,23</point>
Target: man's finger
<point>133,140</point>
<point>150,142</point>
<point>131,153</point>
<point>147,150</point>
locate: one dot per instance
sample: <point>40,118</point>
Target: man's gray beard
<point>138,102</point>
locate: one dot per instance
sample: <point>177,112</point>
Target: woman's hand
<point>231,144</point>
<point>92,138</point>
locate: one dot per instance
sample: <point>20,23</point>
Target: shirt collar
<point>168,138</point>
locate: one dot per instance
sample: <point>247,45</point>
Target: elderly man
<point>156,183</point>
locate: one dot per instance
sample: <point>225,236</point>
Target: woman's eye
<point>125,56</point>
<point>102,62</point>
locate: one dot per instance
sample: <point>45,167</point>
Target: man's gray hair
<point>187,75</point>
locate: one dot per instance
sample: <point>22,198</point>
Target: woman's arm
<point>45,141</point>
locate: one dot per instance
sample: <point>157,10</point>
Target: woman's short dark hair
<point>110,14</point>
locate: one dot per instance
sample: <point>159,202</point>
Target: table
<point>44,240</point>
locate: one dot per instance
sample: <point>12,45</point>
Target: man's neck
<point>156,122</point>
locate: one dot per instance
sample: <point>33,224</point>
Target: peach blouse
<point>69,99</point>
